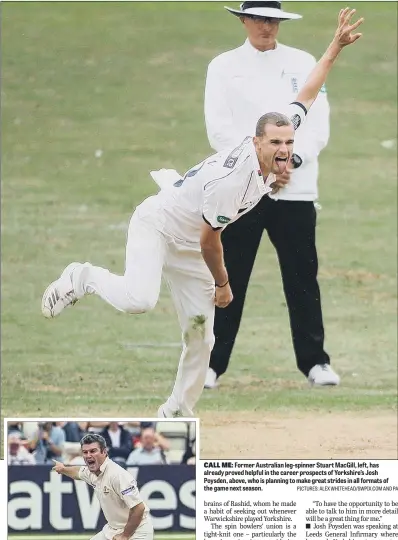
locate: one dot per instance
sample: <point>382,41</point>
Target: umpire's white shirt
<point>117,493</point>
<point>243,84</point>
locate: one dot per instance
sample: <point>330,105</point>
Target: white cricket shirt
<point>243,84</point>
<point>219,190</point>
<point>117,493</point>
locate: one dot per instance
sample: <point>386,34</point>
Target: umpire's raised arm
<point>343,37</point>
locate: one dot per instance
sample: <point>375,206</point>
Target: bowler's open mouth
<point>90,461</point>
<point>281,163</point>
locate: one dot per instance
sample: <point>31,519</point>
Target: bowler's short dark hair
<point>91,438</point>
<point>274,118</point>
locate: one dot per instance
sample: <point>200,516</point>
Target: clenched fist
<point>223,296</point>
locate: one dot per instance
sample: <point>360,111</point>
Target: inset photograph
<point>101,479</point>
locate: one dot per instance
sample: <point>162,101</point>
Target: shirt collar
<point>255,52</point>
<point>104,465</point>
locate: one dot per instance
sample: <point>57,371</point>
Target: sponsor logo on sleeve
<point>128,490</point>
<point>223,219</point>
<point>296,121</point>
<point>233,157</point>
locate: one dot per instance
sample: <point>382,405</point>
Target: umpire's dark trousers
<point>291,229</point>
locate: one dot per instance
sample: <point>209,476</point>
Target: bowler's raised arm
<point>343,37</point>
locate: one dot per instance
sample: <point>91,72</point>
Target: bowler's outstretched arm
<point>212,252</point>
<point>71,471</point>
<point>213,255</point>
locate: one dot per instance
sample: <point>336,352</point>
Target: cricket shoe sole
<point>59,294</point>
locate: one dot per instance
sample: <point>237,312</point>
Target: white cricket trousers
<point>150,253</point>
<point>144,532</point>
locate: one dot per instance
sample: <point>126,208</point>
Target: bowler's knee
<point>138,303</point>
<point>140,306</point>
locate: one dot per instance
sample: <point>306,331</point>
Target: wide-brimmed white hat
<point>263,9</point>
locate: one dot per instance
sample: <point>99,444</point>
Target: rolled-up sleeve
<point>222,198</point>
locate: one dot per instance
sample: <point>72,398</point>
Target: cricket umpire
<point>241,85</point>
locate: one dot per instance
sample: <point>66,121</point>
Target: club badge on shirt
<point>293,79</point>
<point>294,84</point>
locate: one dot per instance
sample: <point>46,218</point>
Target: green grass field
<point>128,79</point>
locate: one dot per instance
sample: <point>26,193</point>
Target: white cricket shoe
<point>323,375</point>
<point>59,294</point>
<point>211,379</point>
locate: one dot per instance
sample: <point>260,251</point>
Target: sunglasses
<point>257,19</point>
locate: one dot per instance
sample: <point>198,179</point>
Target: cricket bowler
<point>126,514</point>
<point>176,234</point>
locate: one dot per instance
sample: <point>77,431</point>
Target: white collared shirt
<point>243,84</point>
<point>117,493</point>
<point>115,437</point>
<point>142,456</point>
<point>218,190</point>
